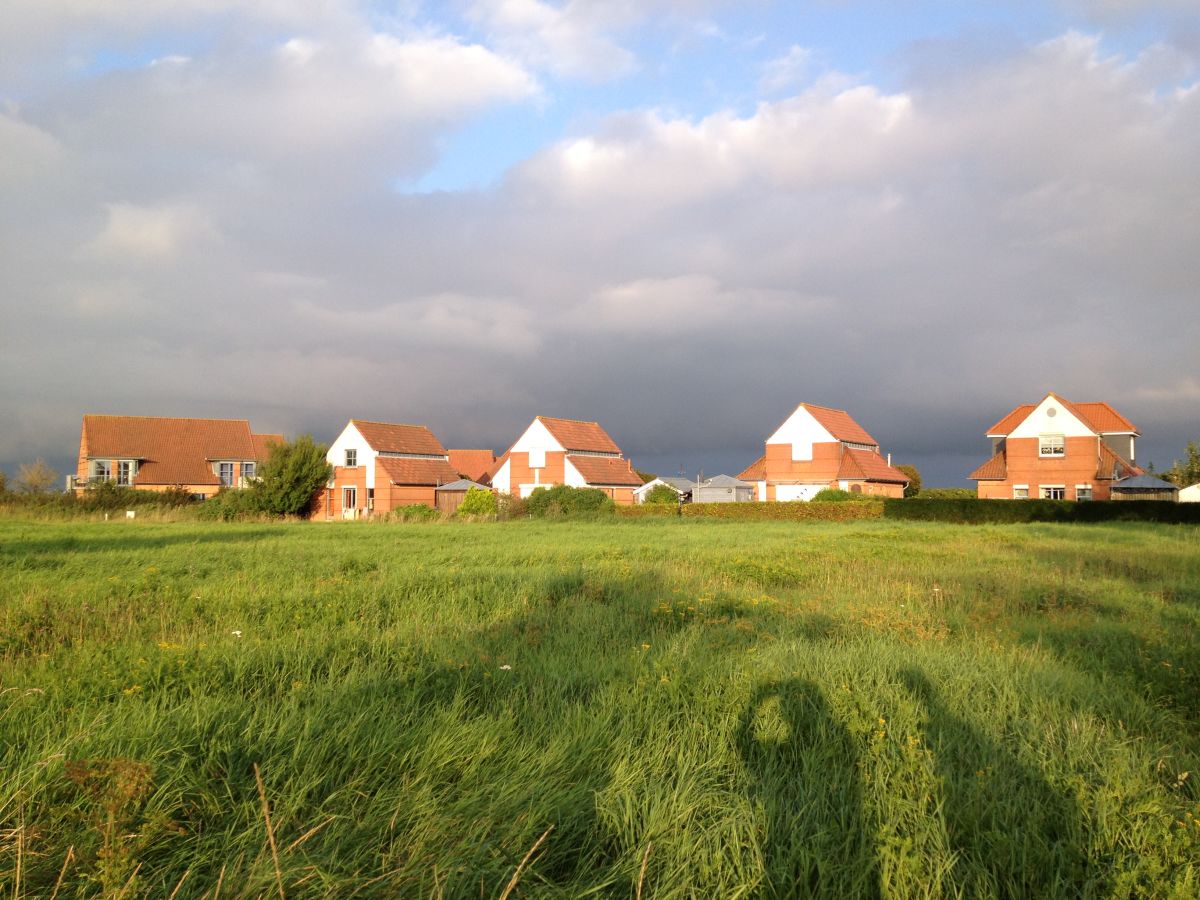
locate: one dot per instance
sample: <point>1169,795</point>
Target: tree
<point>3,483</point>
<point>1187,472</point>
<point>291,477</point>
<point>646,477</point>
<point>662,495</point>
<point>478,502</point>
<point>914,480</point>
<point>36,477</point>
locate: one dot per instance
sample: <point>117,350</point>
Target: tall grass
<point>672,708</point>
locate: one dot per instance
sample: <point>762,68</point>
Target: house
<point>723,489</point>
<point>1058,450</point>
<point>565,451</point>
<point>682,487</point>
<point>819,447</point>
<point>380,466</point>
<point>152,453</point>
<point>1190,494</point>
<point>1144,487</point>
<point>474,465</point>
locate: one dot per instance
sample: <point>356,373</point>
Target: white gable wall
<point>571,475</point>
<point>801,430</point>
<point>500,481</point>
<point>1051,417</point>
<point>537,437</point>
<point>351,439</point>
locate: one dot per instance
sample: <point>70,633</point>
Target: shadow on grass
<point>1013,835</point>
<point>804,771</point>
<point>38,551</point>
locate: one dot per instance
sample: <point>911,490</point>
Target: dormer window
<point>1052,446</point>
<point>125,473</point>
<point>351,459</point>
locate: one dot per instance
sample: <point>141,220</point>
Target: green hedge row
<point>795,512</point>
<point>648,511</point>
<point>984,511</point>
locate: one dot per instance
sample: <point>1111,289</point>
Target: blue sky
<point>480,211</point>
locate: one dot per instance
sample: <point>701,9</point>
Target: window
<point>1020,492</point>
<point>1083,492</point>
<point>249,470</point>
<point>1052,445</point>
<point>349,498</point>
<point>1054,492</point>
<point>225,471</point>
<point>370,498</point>
<point>351,459</point>
<point>102,470</point>
<point>125,473</point>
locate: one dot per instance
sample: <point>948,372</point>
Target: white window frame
<point>1052,446</point>
<point>102,469</point>
<point>125,472</point>
<point>1020,496</point>
<point>1044,490</point>
<point>351,458</point>
<point>225,481</point>
<point>249,470</point>
<point>1084,487</point>
<point>350,493</point>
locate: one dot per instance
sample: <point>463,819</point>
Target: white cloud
<point>135,234</point>
<point>786,72</point>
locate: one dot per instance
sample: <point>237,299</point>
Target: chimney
<point>889,459</point>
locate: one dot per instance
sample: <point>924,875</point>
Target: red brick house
<point>154,453</point>
<point>565,451</point>
<point>818,447</point>
<point>379,466</point>
<point>1058,450</point>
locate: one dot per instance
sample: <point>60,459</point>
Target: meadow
<point>658,708</point>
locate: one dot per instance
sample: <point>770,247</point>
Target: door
<point>349,503</point>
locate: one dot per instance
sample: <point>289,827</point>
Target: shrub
<point>229,505</point>
<point>418,512</point>
<point>36,477</point>
<point>662,495</point>
<point>648,511</point>
<point>813,511</point>
<point>563,501</point>
<point>510,506</point>
<point>478,502</point>
<point>950,493</point>
<point>975,511</point>
<point>834,495</point>
<point>291,477</point>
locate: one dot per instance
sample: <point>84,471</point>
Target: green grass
<point>692,709</point>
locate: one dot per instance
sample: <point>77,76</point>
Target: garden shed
<point>450,496</point>
<point>1144,487</point>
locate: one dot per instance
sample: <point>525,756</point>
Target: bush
<point>291,477</point>
<point>662,495</point>
<point>834,495</point>
<point>510,506</point>
<point>947,494</point>
<point>418,512</point>
<point>229,505</point>
<point>562,501</point>
<point>648,511</point>
<point>478,502</point>
<point>975,511</point>
<point>815,511</point>
<point>913,488</point>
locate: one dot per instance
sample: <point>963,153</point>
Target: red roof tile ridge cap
<point>576,421</point>
<point>389,424</point>
<point>162,418</point>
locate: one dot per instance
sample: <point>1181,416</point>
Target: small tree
<point>1187,472</point>
<point>478,502</point>
<point>914,481</point>
<point>662,495</point>
<point>291,477</point>
<point>3,483</point>
<point>646,477</point>
<point>36,477</point>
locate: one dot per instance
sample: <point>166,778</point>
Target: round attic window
<point>1052,412</point>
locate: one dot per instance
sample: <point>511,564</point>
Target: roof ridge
<point>162,418</point>
<point>393,424</point>
<point>576,421</point>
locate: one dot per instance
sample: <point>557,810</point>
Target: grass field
<point>673,709</point>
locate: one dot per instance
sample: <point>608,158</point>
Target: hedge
<point>998,511</point>
<point>793,512</point>
<point>648,511</point>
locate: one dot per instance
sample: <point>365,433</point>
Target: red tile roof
<point>756,471</point>
<point>840,424</point>
<point>605,470</point>
<point>995,469</point>
<point>576,435</point>
<point>867,465</point>
<point>496,467</point>
<point>385,437</point>
<point>406,470</point>
<point>170,450</point>
<point>1113,465</point>
<point>1100,417</point>
<point>472,464</point>
<point>262,445</point>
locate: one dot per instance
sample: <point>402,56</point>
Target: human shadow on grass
<point>803,768</point>
<point>1012,833</point>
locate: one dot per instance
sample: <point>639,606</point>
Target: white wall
<point>500,481</point>
<point>1190,494</point>
<point>797,491</point>
<point>801,430</point>
<point>1051,417</point>
<point>351,439</point>
<point>571,475</point>
<point>537,437</point>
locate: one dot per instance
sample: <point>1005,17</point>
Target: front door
<point>350,503</point>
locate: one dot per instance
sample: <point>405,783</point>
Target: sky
<point>679,218</point>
